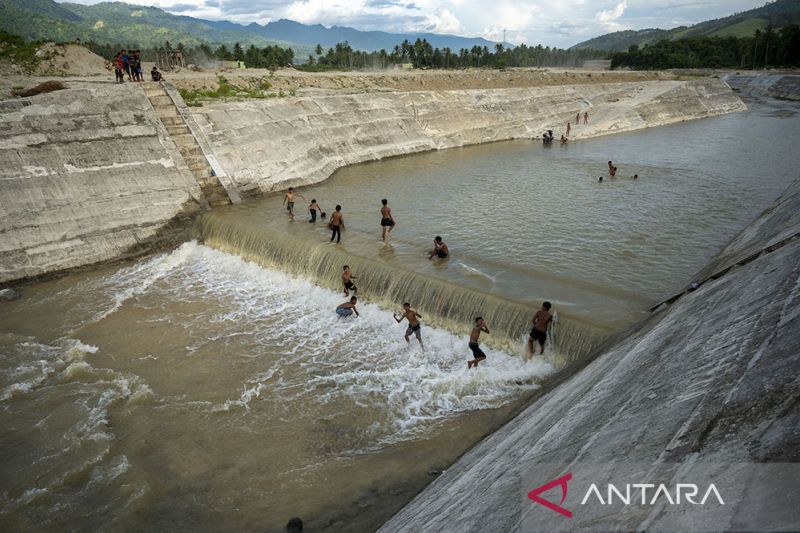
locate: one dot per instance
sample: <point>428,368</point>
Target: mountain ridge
<point>777,13</point>
<point>148,26</point>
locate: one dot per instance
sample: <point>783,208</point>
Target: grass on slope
<point>745,28</point>
<point>260,89</point>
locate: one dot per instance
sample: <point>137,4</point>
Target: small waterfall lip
<point>443,303</point>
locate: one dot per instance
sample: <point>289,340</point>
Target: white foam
<point>364,361</point>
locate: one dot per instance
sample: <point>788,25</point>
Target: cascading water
<point>443,303</point>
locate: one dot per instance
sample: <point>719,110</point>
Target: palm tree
<point>318,50</point>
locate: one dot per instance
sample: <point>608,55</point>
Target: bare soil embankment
<point>288,80</point>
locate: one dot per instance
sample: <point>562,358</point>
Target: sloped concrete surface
<point>710,380</point>
<point>784,86</point>
<point>264,145</point>
<point>86,174</point>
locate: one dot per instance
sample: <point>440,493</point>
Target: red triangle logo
<point>558,482</point>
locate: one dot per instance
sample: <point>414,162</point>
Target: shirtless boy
<point>289,200</point>
<point>347,281</point>
<point>440,249</point>
<point>313,207</point>
<point>348,308</point>
<point>387,220</point>
<point>413,322</point>
<point>474,335</point>
<point>541,320</point>
<point>337,224</point>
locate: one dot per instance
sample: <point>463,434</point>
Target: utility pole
<point>504,37</point>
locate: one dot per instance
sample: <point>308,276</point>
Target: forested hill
<point>120,23</point>
<point>779,14</point>
<point>149,27</point>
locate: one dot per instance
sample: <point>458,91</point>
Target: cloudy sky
<point>551,22</point>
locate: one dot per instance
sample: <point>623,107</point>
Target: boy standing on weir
<point>288,199</point>
<point>347,281</point>
<point>337,224</point>
<point>387,220</point>
<point>540,322</point>
<point>413,323</point>
<point>474,335</point>
<point>313,207</point>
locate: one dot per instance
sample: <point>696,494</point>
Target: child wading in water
<point>541,320</point>
<point>413,323</point>
<point>289,200</point>
<point>474,335</point>
<point>347,282</point>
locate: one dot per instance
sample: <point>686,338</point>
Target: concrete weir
<point>707,384</point>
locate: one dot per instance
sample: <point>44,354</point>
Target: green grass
<point>745,28</point>
<point>224,90</point>
<point>21,53</point>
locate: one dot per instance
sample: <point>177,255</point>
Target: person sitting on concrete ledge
<point>155,75</point>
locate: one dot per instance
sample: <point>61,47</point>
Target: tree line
<point>768,48</point>
<point>203,54</point>
<point>421,54</point>
<point>342,56</point>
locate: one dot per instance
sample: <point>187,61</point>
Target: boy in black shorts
<point>347,281</point>
<point>540,321</point>
<point>474,335</point>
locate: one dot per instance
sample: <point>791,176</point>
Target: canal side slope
<point>710,380</point>
<point>87,174</point>
<point>93,173</point>
<point>264,145</point>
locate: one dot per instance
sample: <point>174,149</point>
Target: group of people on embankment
<point>130,64</point>
<point>547,137</point>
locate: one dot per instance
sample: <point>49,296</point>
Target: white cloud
<point>443,21</point>
<point>549,22</point>
<point>608,19</point>
<point>612,14</point>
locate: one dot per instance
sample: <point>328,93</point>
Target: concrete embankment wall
<point>90,173</point>
<point>86,175</point>
<point>705,385</point>
<point>265,145</point>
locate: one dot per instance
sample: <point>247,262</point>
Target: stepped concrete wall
<point>86,175</point>
<point>703,387</point>
<point>265,145</point>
